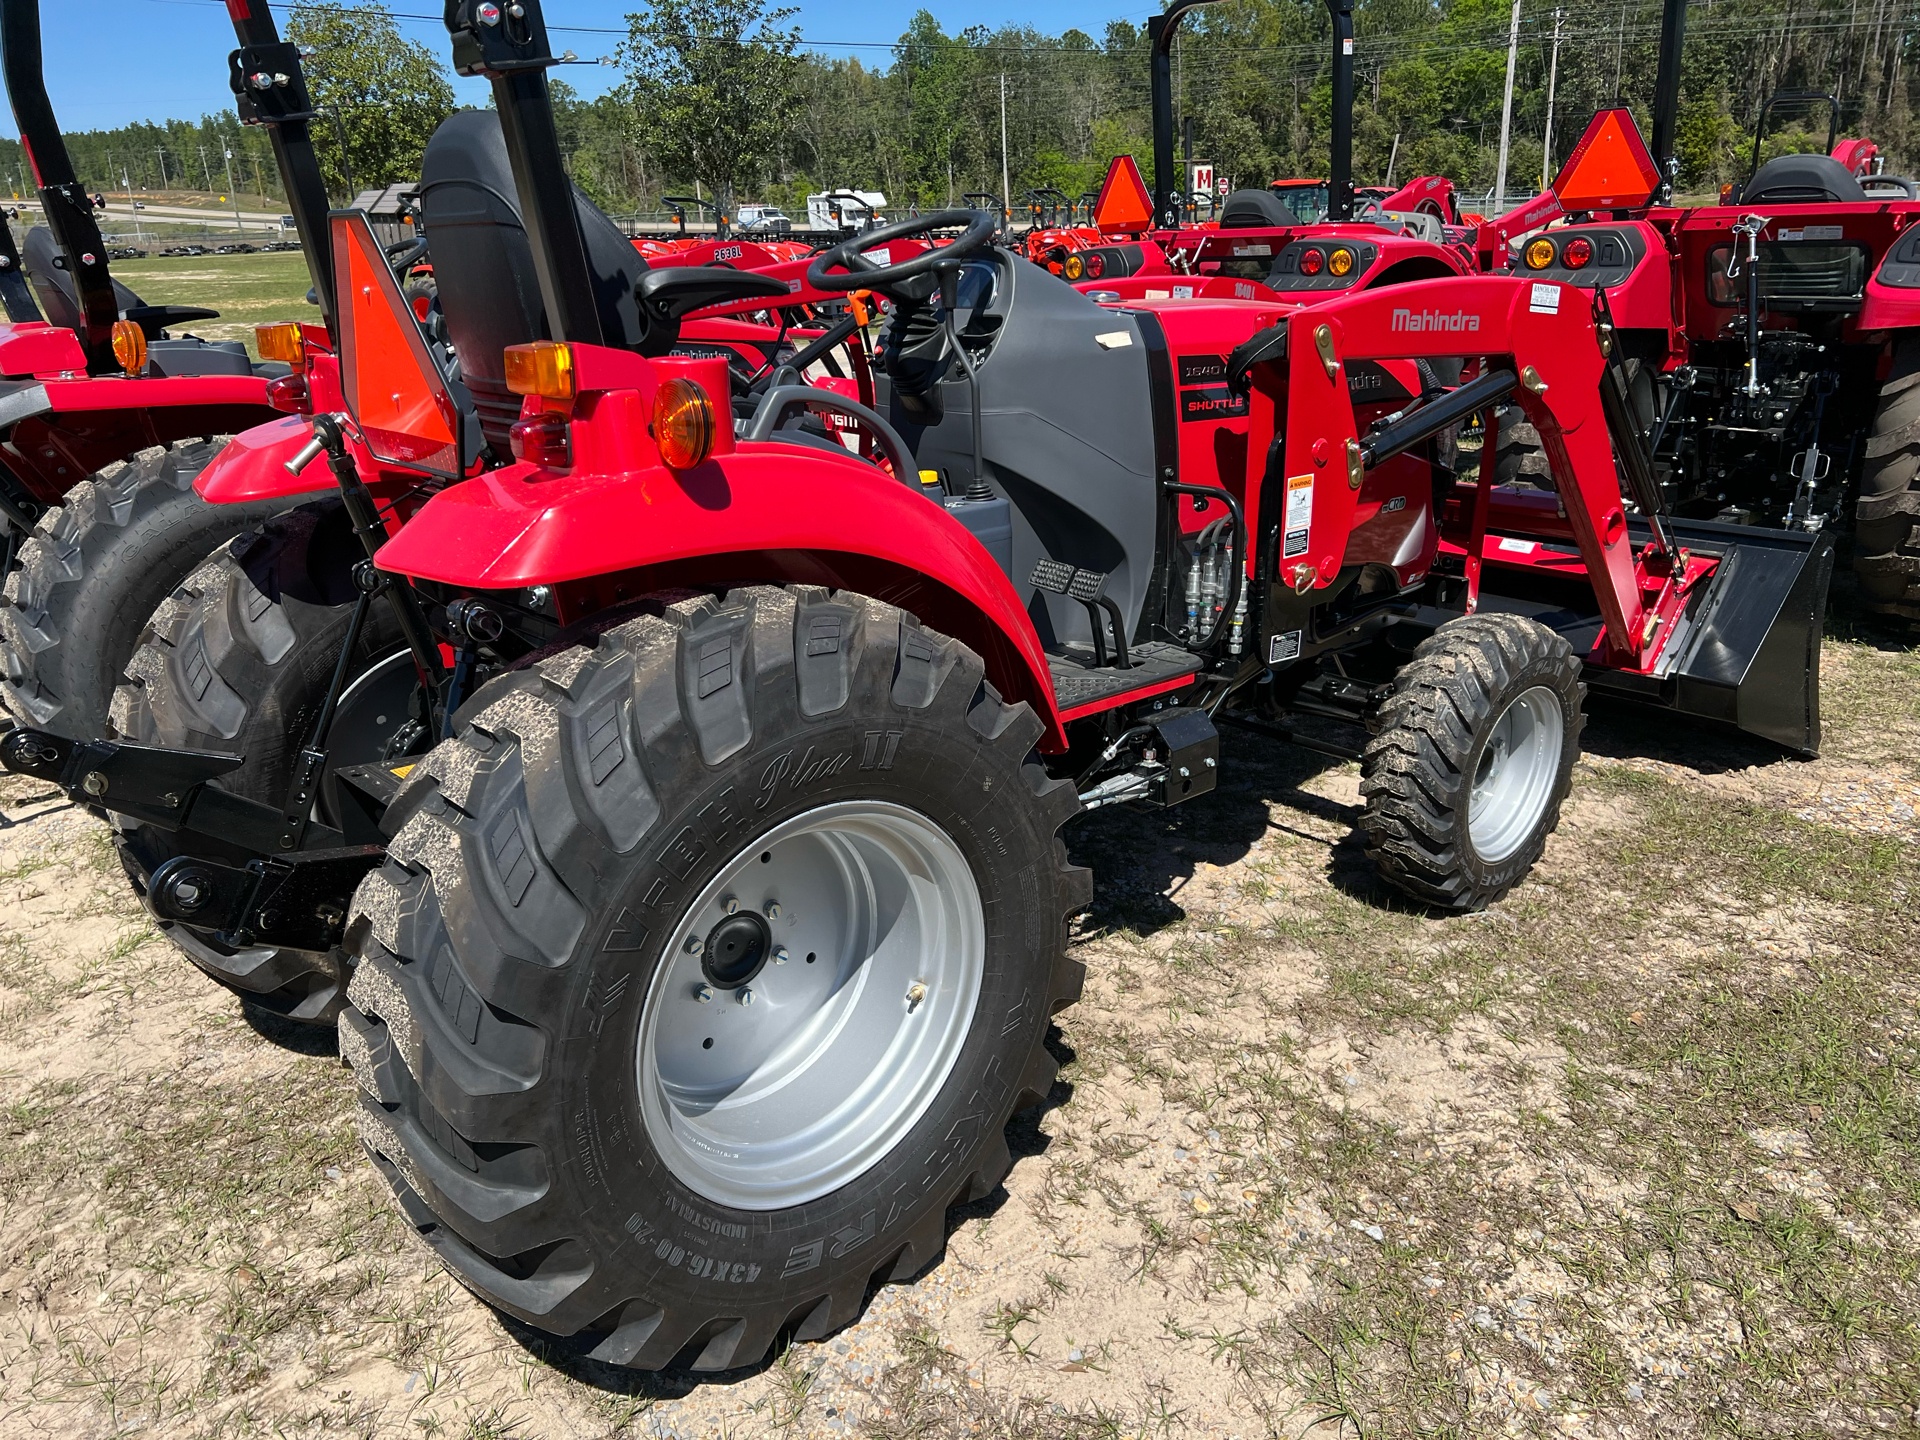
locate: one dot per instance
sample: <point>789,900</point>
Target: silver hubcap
<point>1515,778</point>
<point>811,1005</point>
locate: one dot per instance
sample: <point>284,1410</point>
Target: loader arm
<point>1544,333</point>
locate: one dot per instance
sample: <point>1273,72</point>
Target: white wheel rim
<point>1514,780</point>
<point>767,1102</point>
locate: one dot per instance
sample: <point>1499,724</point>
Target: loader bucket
<point>1747,651</point>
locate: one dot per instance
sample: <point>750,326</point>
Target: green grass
<point>247,290</point>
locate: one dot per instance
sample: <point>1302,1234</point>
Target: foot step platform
<point>1078,679</point>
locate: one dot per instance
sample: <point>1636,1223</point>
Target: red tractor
<point>105,420</point>
<point>1771,343</point>
<point>697,968</point>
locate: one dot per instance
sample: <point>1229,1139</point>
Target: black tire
<point>94,568</point>
<point>1886,523</point>
<point>1519,458</point>
<point>506,950</point>
<point>238,659</point>
<point>1433,736</point>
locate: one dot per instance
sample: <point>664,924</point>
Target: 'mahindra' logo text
<point>1421,320</point>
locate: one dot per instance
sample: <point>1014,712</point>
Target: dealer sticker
<point>1546,298</point>
<point>1516,547</point>
<point>1299,514</point>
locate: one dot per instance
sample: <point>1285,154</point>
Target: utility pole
<point>239,223</point>
<point>1506,110</point>
<point>205,169</point>
<point>1553,72</point>
<point>1006,185</point>
<point>160,150</point>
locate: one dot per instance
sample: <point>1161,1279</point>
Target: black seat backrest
<point>1802,180</point>
<point>1253,209</point>
<point>483,265</point>
<point>53,287</point>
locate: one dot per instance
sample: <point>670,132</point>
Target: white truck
<point>845,210</point>
<point>762,220</point>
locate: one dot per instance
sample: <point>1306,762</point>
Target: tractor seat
<point>53,287</point>
<point>1802,180</point>
<point>59,298</point>
<point>668,295</point>
<point>1255,209</point>
<point>483,266</point>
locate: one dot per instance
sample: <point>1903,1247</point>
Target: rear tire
<point>1473,755</point>
<point>238,659</point>
<point>1886,530</point>
<point>529,952</point>
<point>94,568</point>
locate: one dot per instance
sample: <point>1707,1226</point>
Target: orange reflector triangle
<point>394,391</point>
<point>1124,207</point>
<point>1610,168</point>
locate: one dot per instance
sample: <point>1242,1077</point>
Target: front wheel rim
<point>1516,774</point>
<point>772,1076</point>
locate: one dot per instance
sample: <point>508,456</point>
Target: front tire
<point>562,1082</point>
<point>1473,755</point>
<point>94,568</point>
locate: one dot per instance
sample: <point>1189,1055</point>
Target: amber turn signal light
<point>683,423</point>
<point>543,368</point>
<point>130,346</point>
<point>282,341</point>
<point>1540,254</point>
<point>1075,267</point>
<point>1340,262</point>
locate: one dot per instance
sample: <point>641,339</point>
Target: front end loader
<point>695,970</point>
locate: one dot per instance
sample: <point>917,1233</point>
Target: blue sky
<point>114,61</point>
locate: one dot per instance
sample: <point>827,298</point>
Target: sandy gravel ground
<point>1631,1154</point>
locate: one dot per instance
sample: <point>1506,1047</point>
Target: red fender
<point>253,465</point>
<point>766,511</point>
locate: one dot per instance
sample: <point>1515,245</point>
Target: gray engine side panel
<point>1067,436</point>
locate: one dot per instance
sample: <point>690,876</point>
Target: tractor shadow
<point>1144,859</point>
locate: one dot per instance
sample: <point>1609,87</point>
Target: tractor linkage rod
<point>1421,422</point>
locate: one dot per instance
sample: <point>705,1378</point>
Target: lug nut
<point>773,909</point>
<point>694,945</point>
<point>703,993</point>
<point>779,954</point>
<point>745,996</point>
<point>731,904</point>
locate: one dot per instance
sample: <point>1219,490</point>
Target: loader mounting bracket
<point>296,902</point>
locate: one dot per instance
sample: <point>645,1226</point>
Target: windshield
<point>1306,198</point>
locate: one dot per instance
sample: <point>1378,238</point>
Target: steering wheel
<point>859,273</point>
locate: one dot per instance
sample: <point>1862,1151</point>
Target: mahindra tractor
<point>1770,342</point>
<point>106,417</point>
<point>703,933</point>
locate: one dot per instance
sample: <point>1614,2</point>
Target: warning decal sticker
<point>1299,515</point>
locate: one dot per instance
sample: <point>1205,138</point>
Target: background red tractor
<point>1771,342</point>
<point>106,418</point>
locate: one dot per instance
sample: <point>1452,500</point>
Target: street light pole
<point>238,223</point>
<point>1506,109</point>
<point>1553,72</point>
<point>1006,185</point>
